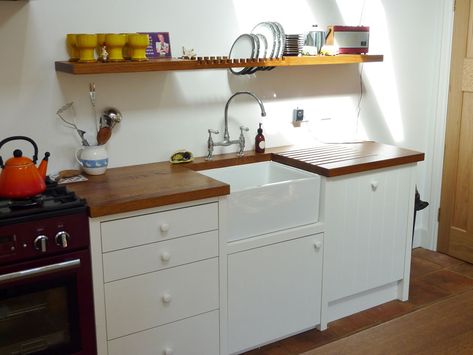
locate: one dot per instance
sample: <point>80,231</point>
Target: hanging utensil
<point>93,97</point>
<point>103,135</point>
<point>110,117</point>
<point>80,132</point>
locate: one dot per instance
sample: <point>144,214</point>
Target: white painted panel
<point>193,336</point>
<point>149,228</point>
<point>367,218</point>
<point>153,257</point>
<point>273,291</point>
<point>157,298</point>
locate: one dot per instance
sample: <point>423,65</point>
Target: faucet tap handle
<point>210,143</point>
<point>242,140</point>
<point>243,129</point>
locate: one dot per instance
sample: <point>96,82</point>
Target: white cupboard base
<point>362,301</point>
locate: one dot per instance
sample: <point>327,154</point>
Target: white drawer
<point>157,256</point>
<point>146,301</point>
<point>192,336</point>
<point>149,228</point>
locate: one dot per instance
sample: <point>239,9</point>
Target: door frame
<point>436,141</point>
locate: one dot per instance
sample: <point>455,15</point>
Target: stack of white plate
<point>266,41</point>
<point>294,43</point>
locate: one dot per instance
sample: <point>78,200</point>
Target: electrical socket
<point>298,115</point>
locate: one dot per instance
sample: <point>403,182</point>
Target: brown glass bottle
<point>260,142</point>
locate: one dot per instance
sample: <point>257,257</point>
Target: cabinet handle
<point>166,298</point>
<point>164,227</point>
<point>165,256</point>
<point>317,244</point>
<point>374,185</point>
<point>168,351</point>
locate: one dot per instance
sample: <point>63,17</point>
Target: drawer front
<point>155,227</point>
<point>146,301</point>
<point>157,256</point>
<point>192,336</point>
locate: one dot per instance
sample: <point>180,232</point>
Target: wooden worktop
<point>144,186</point>
<point>138,187</point>
<point>342,159</point>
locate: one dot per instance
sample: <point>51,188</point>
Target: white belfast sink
<point>267,197</point>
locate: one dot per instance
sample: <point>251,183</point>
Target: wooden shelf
<point>210,63</point>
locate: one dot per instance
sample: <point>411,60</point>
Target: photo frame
<point>159,45</point>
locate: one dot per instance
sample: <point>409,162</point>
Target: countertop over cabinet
<point>138,187</point>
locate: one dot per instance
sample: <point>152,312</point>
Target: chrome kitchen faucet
<point>226,135</point>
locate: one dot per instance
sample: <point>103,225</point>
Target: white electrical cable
<point>358,109</point>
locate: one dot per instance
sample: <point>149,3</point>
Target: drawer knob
<point>374,185</point>
<point>165,256</point>
<point>317,244</point>
<point>164,227</point>
<point>166,298</point>
<point>168,351</point>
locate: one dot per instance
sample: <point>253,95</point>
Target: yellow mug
<point>138,42</point>
<point>86,44</point>
<point>71,45</point>
<point>115,43</point>
<point>126,50</point>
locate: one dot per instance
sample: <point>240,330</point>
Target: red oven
<point>46,302</point>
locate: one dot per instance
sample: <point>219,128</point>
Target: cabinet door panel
<point>161,297</point>
<point>366,230</point>
<point>273,291</point>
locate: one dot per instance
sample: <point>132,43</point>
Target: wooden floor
<point>437,319</point>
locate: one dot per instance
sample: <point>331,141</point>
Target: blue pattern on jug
<point>95,163</point>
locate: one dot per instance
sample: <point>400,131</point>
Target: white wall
<point>165,111</point>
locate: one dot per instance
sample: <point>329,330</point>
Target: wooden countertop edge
<point>110,208</point>
<point>356,167</point>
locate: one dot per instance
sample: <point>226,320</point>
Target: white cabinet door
<point>273,291</point>
<point>367,227</point>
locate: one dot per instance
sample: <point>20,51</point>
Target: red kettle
<point>20,178</point>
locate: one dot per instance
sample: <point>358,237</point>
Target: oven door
<point>46,306</point>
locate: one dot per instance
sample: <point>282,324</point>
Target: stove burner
<point>56,200</point>
<point>26,203</point>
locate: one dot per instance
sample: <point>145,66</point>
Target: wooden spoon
<point>103,135</point>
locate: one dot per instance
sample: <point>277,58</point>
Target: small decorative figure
<point>188,53</point>
<point>104,54</point>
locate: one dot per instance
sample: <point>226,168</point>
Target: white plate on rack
<point>244,47</point>
<point>263,46</point>
<point>268,30</point>
<point>256,40</point>
<point>281,39</point>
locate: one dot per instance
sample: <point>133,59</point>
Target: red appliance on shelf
<point>349,39</point>
<point>46,300</point>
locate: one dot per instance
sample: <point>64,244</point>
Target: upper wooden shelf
<point>207,63</point>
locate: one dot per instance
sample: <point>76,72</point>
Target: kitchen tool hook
<point>80,132</point>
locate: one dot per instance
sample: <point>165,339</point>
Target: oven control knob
<point>62,239</point>
<point>40,243</point>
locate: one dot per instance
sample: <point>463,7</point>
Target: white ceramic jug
<point>93,159</point>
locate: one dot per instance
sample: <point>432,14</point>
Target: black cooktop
<point>54,201</point>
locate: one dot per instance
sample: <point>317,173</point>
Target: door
<point>46,306</point>
<point>456,214</point>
